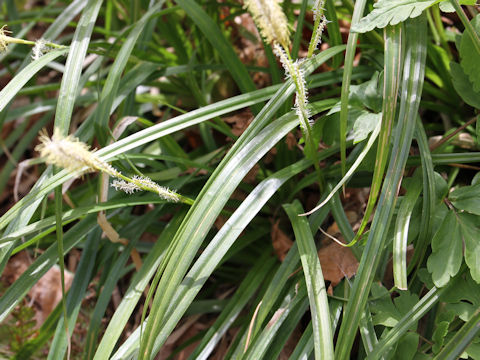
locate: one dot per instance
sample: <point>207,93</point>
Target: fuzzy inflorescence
<point>270,18</point>
<point>70,153</point>
<point>127,187</point>
<point>320,22</point>
<point>40,49</point>
<point>4,39</point>
<point>294,71</point>
<point>318,9</point>
<point>139,183</point>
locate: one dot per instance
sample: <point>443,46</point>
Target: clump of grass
<point>139,72</point>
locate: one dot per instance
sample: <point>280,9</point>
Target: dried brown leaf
<point>337,262</point>
<point>46,293</point>
<point>280,241</point>
<point>240,121</point>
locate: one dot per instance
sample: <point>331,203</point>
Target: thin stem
<point>13,40</point>
<point>60,249</point>
<point>441,31</point>
<point>451,135</point>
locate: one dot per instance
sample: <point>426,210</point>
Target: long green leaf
<point>110,89</point>
<point>134,292</point>
<point>202,215</point>
<point>295,299</point>
<point>400,240</point>
<point>317,293</point>
<point>244,292</point>
<point>73,67</point>
<point>62,21</point>
<point>413,76</point>
<point>347,78</point>
<point>367,331</point>
<point>391,80</point>
<point>429,197</point>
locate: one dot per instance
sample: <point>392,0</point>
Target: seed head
<point>318,9</point>
<point>320,22</point>
<point>71,154</point>
<point>317,36</point>
<point>270,18</point>
<point>294,71</point>
<point>139,183</point>
<point>4,39</point>
<point>128,187</point>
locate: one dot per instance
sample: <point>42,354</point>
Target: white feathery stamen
<point>122,185</point>
<point>294,70</point>
<point>71,154</point>
<point>320,21</point>
<point>163,192</point>
<point>4,39</point>
<point>39,49</point>
<point>271,20</point>
<point>284,60</point>
<point>318,9</point>
<point>301,98</point>
<point>317,39</point>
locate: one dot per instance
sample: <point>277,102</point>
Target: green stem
<point>433,28</point>
<point>12,40</point>
<point>440,30</point>
<point>59,231</point>
<point>347,77</point>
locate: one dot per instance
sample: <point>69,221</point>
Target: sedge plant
<point>225,266</point>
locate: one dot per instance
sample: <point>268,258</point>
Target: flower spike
<point>70,153</point>
<point>294,71</point>
<point>139,183</point>
<point>320,22</point>
<point>270,18</point>
<point>4,39</point>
